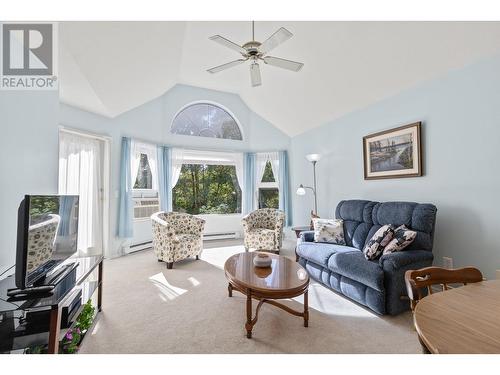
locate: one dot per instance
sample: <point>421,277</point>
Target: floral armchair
<point>176,236</point>
<point>263,229</point>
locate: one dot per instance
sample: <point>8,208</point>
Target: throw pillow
<point>375,246</point>
<point>402,238</point>
<point>329,230</point>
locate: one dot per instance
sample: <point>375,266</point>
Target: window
<point>144,189</point>
<point>207,189</point>
<point>206,120</point>
<point>268,192</point>
<point>144,178</point>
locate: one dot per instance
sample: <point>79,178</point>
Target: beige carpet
<point>149,309</point>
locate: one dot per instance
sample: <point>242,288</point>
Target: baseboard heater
<point>220,236</point>
<point>139,246</point>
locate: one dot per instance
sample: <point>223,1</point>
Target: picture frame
<point>393,153</point>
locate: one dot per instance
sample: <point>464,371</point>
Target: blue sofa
<point>377,284</point>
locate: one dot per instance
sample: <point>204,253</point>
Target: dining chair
<point>419,283</point>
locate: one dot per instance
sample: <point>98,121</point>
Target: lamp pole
<point>313,158</point>
<point>314,178</point>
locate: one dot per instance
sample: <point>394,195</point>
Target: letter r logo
<point>27,49</point>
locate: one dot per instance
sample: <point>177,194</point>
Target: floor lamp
<point>313,158</point>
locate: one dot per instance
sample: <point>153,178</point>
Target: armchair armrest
<point>307,236</point>
<point>247,222</point>
<point>197,225</point>
<point>404,258</point>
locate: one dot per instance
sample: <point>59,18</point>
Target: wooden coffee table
<point>284,279</point>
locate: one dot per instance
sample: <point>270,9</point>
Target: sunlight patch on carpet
<point>193,281</point>
<point>217,256</point>
<point>169,291</point>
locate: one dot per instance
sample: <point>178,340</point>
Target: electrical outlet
<point>448,263</point>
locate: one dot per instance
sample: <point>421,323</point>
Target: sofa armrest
<point>404,258</point>
<point>307,236</point>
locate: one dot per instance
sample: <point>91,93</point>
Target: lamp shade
<point>301,190</point>
<point>313,157</point>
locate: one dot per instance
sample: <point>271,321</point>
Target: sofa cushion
<point>374,247</point>
<point>357,216</point>
<point>329,230</point>
<point>319,253</point>
<point>418,217</point>
<point>354,266</point>
<point>402,238</point>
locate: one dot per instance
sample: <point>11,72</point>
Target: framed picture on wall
<point>393,153</point>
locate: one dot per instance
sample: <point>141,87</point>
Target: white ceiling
<point>112,67</point>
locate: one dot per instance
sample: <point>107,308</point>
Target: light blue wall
<point>461,148</point>
<point>151,122</point>
<point>28,154</point>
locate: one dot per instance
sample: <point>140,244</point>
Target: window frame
<point>215,104</point>
<point>194,156</point>
<point>140,194</point>
<point>265,185</point>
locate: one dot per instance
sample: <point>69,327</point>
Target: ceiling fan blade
<point>255,75</point>
<point>280,36</point>
<point>226,66</point>
<point>226,42</point>
<point>283,63</point>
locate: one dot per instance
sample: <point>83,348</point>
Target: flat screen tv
<point>47,235</point>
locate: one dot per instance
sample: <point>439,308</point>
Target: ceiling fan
<point>255,51</point>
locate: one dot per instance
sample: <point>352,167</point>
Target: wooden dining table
<point>462,320</point>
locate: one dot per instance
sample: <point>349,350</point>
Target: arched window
<point>206,120</point>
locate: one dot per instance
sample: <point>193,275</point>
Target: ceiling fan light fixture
<point>254,51</point>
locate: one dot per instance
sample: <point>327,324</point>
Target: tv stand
<point>45,285</point>
<point>83,277</point>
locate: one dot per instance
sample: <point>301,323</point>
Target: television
<point>47,235</point>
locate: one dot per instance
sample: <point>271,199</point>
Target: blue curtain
<point>165,177</point>
<point>125,209</point>
<point>66,203</point>
<point>284,186</point>
<point>249,182</point>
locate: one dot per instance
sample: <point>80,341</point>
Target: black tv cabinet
<point>15,332</point>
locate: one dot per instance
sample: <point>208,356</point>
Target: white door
<point>82,172</point>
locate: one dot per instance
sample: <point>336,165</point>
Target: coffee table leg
<point>230,289</point>
<point>248,325</point>
<point>306,309</point>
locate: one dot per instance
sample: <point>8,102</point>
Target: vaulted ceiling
<point>112,67</point>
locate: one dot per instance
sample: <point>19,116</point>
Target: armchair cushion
<point>177,236</point>
<point>260,239</point>
<point>263,229</point>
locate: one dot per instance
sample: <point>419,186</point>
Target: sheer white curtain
<point>149,150</point>
<point>80,161</point>
<point>274,159</point>
<point>135,160</point>
<point>177,161</point>
<point>262,159</point>
<point>238,163</point>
